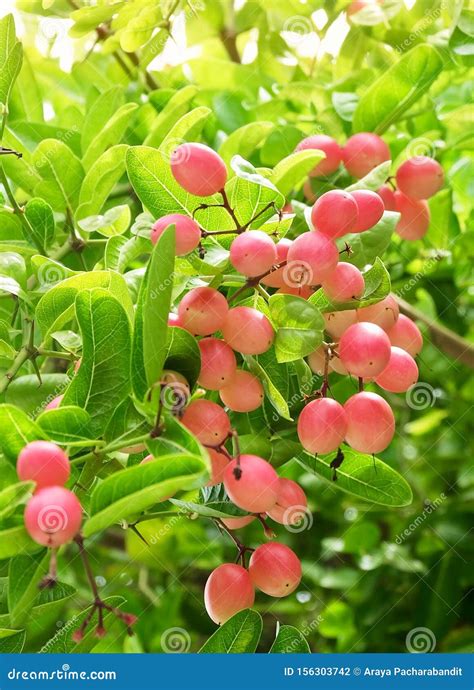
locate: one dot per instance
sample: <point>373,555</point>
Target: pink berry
<point>218,364</point>
<point>414,217</point>
<point>198,169</point>
<point>317,361</point>
<point>252,485</point>
<point>335,213</point>
<point>243,393</point>
<point>277,278</point>
<point>311,259</point>
<point>228,590</point>
<point>406,334</point>
<point>420,177</point>
<point>44,463</point>
<point>275,569</point>
<point>322,426</point>
<point>400,373</point>
<point>53,516</point>
<point>337,322</point>
<point>207,421</point>
<point>330,147</point>
<point>383,313</point>
<point>253,253</point>
<point>218,464</point>
<point>363,152</point>
<point>364,349</point>
<point>387,195</point>
<point>188,233</point>
<point>370,422</point>
<point>247,331</point>
<point>336,365</point>
<point>370,207</point>
<point>77,365</point>
<point>174,320</point>
<point>291,505</point>
<point>203,310</point>
<point>345,282</point>
<point>239,522</point>
<point>304,291</point>
<point>54,403</point>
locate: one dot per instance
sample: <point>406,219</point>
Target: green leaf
<point>266,371</point>
<point>14,541</point>
<point>11,56</point>
<point>398,88</point>
<point>156,305</point>
<point>245,140</point>
<point>121,251</point>
<point>67,425</point>
<point>13,496</point>
<point>239,635</point>
<point>138,488</point>
<point>212,509</point>
<point>361,475</point>
<point>26,393</point>
<point>183,354</point>
<point>291,172</point>
<point>115,221</point>
<point>299,327</point>
<point>17,431</point>
<point>12,641</point>
<point>110,134</point>
<point>251,194</point>
<point>367,246</point>
<point>103,108</point>
<point>40,216</point>
<point>176,107</point>
<point>187,128</point>
<point>61,174</point>
<point>290,640</point>
<point>56,307</point>
<point>100,180</point>
<point>24,575</point>
<point>374,179</point>
<point>102,381</point>
<point>377,287</point>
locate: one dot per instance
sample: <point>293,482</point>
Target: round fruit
<point>335,213</point>
<point>345,282</point>
<point>371,208</point>
<point>188,233</point>
<point>253,253</point>
<point>370,422</point>
<point>218,464</point>
<point>44,463</point>
<point>244,393</point>
<point>414,217</point>
<point>54,403</point>
<point>203,310</point>
<point>238,522</point>
<point>363,152</point>
<point>420,177</point>
<point>388,197</point>
<point>311,259</point>
<point>364,349</point>
<point>218,363</point>
<point>291,505</point>
<point>198,169</point>
<point>400,373</point>
<point>247,331</point>
<point>337,322</point>
<point>322,426</point>
<point>207,421</point>
<point>228,590</point>
<point>252,485</point>
<point>317,361</point>
<point>329,146</point>
<point>275,569</point>
<point>276,278</point>
<point>406,334</point>
<point>383,313</point>
<point>53,516</point>
<point>174,320</point>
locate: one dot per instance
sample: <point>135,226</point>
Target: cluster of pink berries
<point>417,179</point>
<point>53,515</point>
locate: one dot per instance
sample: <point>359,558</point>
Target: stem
<point>230,210</point>
<point>110,448</point>
<point>253,282</point>
<point>52,353</point>
<point>445,339</point>
<point>26,352</point>
<point>24,220</point>
<point>229,41</point>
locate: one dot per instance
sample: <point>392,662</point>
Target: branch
<point>229,41</point>
<point>449,342</point>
